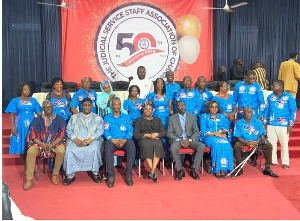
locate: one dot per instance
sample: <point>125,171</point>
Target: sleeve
<point>203,128</point>
<point>137,130</point>
<point>107,134</point>
<point>101,102</point>
<point>266,111</point>
<point>177,88</point>
<point>261,101</point>
<point>235,93</point>
<point>70,128</point>
<point>261,127</point>
<point>126,105</point>
<point>199,104</point>
<point>196,131</point>
<point>162,131</point>
<point>237,130</point>
<point>293,110</point>
<point>235,75</point>
<point>37,108</point>
<point>68,96</point>
<point>150,97</point>
<point>280,73</point>
<point>225,125</point>
<point>62,128</point>
<point>12,106</point>
<point>74,100</point>
<point>99,130</point>
<point>297,71</point>
<point>130,128</point>
<point>210,95</point>
<point>151,87</point>
<point>48,96</point>
<point>33,130</point>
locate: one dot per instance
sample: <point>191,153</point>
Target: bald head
<point>47,103</point>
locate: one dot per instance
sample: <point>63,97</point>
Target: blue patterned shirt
<point>134,108</point>
<point>191,99</point>
<point>182,119</point>
<point>80,95</point>
<point>249,96</point>
<point>171,90</point>
<point>117,128</point>
<point>280,111</point>
<point>249,131</point>
<point>205,97</point>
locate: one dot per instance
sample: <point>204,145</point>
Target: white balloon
<point>189,48</point>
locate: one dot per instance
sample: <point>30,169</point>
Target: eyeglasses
<point>159,83</point>
<point>228,86</point>
<point>214,106</point>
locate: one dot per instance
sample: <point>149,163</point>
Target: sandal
<point>150,175</point>
<point>155,177</point>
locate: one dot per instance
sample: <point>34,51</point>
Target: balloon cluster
<point>188,31</point>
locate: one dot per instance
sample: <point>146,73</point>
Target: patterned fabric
<point>25,111</point>
<point>161,107</point>
<point>60,104</point>
<point>205,97</point>
<point>249,96</point>
<point>191,99</point>
<point>280,111</point>
<point>226,105</point>
<point>47,130</point>
<point>221,150</point>
<point>117,128</point>
<point>249,131</point>
<point>80,95</point>
<point>87,158</point>
<point>261,78</point>
<point>134,108</point>
<point>182,119</point>
<point>171,91</point>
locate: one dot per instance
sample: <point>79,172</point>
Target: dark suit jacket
<point>175,131</point>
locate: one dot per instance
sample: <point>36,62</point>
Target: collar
<point>184,115</point>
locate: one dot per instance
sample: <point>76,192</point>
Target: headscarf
<point>103,97</point>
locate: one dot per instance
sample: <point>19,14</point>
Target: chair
<point>182,151</point>
<point>70,86</point>
<point>180,84</point>
<point>248,150</point>
<point>207,150</point>
<point>120,85</point>
<point>95,85</point>
<point>211,85</point>
<point>163,167</point>
<point>46,87</point>
<point>232,83</point>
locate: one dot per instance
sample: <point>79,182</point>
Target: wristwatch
<point>191,140</point>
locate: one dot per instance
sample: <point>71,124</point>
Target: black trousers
<point>110,148</point>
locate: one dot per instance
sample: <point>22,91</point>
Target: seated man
<point>118,132</point>
<point>45,138</point>
<point>83,147</point>
<point>183,132</point>
<point>248,132</point>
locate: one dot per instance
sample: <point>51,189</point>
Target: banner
<point>110,39</point>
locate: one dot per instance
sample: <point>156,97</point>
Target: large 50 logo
<point>136,34</point>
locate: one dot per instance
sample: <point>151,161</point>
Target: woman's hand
<point>78,142</point>
<point>147,136</point>
<point>154,136</point>
<point>111,96</point>
<point>14,131</point>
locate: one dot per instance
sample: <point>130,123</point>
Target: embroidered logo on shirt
<point>91,95</point>
<point>138,106</point>
<point>182,95</point>
<point>80,98</point>
<point>252,90</point>
<point>123,128</point>
<point>229,107</point>
<point>58,103</point>
<point>224,162</point>
<point>204,96</point>
<point>242,89</point>
<point>190,94</point>
<point>106,125</point>
<point>281,121</point>
<point>273,98</point>
<point>161,109</point>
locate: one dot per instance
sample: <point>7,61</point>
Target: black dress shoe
<point>155,175</point>
<point>104,177</point>
<point>96,178</point>
<point>180,174</point>
<point>194,174</point>
<point>150,175</point>
<point>68,181</point>
<point>129,181</point>
<point>111,181</point>
<point>269,172</point>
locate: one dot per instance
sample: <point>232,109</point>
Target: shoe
<point>55,179</point>
<point>150,175</point>
<point>69,180</point>
<point>218,176</point>
<point>96,178</point>
<point>28,185</point>
<point>129,181</point>
<point>254,159</point>
<point>194,174</point>
<point>270,173</point>
<point>180,174</point>
<point>104,177</point>
<point>111,181</point>
<point>240,173</point>
<point>155,176</point>
<point>286,167</point>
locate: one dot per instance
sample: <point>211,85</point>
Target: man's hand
<point>86,142</point>
<point>122,142</point>
<point>218,133</point>
<point>182,143</point>
<point>289,129</point>
<point>260,118</point>
<point>78,142</point>
<point>116,142</point>
<point>49,147</point>
<point>14,131</point>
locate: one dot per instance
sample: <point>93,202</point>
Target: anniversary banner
<point>109,39</point>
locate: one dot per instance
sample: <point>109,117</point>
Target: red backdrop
<point>109,39</point>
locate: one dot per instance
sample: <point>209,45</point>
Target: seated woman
<point>134,105</point>
<point>214,130</point>
<point>149,131</point>
<point>225,100</point>
<point>60,99</point>
<point>85,131</point>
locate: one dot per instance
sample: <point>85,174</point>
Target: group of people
<point>155,120</point>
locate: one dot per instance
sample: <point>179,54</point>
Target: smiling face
<point>250,79</point>
<point>201,82</point>
<point>141,72</point>
<point>58,86</point>
<point>248,112</point>
<point>134,92</point>
<point>148,110</point>
<point>224,88</point>
<point>187,82</point>
<point>25,91</point>
<point>213,108</point>
<point>86,84</point>
<point>116,105</point>
<point>106,88</point>
<point>48,108</point>
<point>87,107</point>
<point>160,84</point>
<point>170,77</point>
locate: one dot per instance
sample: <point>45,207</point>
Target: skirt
<point>147,147</point>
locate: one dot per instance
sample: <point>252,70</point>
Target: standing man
<point>205,95</point>
<point>261,75</point>
<point>172,87</point>
<point>82,93</point>
<point>279,115</point>
<point>238,70</point>
<point>248,93</point>
<point>221,74</point>
<point>190,97</point>
<point>118,132</point>
<point>289,72</point>
<point>145,84</point>
<point>183,132</point>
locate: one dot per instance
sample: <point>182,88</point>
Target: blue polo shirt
<point>249,131</point>
<point>117,128</point>
<point>205,97</point>
<point>191,99</point>
<point>80,95</point>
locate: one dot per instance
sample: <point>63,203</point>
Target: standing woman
<point>149,132</point>
<point>134,105</point>
<point>163,108</point>
<point>21,111</point>
<point>214,130</point>
<point>60,99</point>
